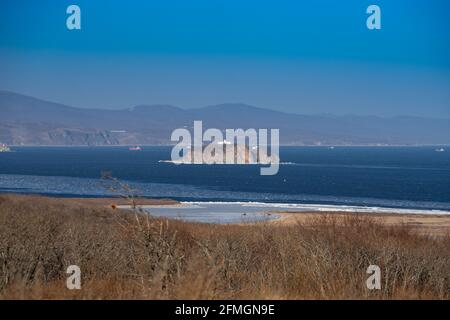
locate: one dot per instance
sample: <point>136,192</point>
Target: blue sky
<point>294,56</point>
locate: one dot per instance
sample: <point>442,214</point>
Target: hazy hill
<point>30,121</point>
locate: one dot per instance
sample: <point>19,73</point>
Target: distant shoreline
<point>281,145</point>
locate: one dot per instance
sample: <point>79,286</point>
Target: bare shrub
<point>126,255</point>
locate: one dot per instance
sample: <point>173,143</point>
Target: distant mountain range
<point>29,121</point>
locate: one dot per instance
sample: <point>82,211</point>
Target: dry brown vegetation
<point>124,255</point>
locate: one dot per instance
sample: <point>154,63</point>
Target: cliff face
<point>41,134</point>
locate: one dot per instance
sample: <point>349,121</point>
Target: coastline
<point>425,224</point>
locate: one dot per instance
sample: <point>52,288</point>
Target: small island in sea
<point>240,154</point>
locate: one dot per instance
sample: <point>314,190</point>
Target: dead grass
<point>132,256</point>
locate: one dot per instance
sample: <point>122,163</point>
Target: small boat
<point>135,148</point>
<point>4,148</point>
<point>440,150</point>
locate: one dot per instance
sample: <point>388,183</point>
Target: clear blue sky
<point>294,56</point>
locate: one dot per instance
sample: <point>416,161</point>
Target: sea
<point>365,179</point>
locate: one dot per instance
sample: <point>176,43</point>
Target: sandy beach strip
<point>430,224</point>
<point>421,223</point>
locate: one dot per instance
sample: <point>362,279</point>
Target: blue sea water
<point>394,177</point>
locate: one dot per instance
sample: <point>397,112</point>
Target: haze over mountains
<point>29,121</point>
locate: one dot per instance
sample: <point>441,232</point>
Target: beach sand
<point>427,224</point>
<point>438,225</point>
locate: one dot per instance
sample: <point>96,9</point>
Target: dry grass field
<point>127,255</point>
